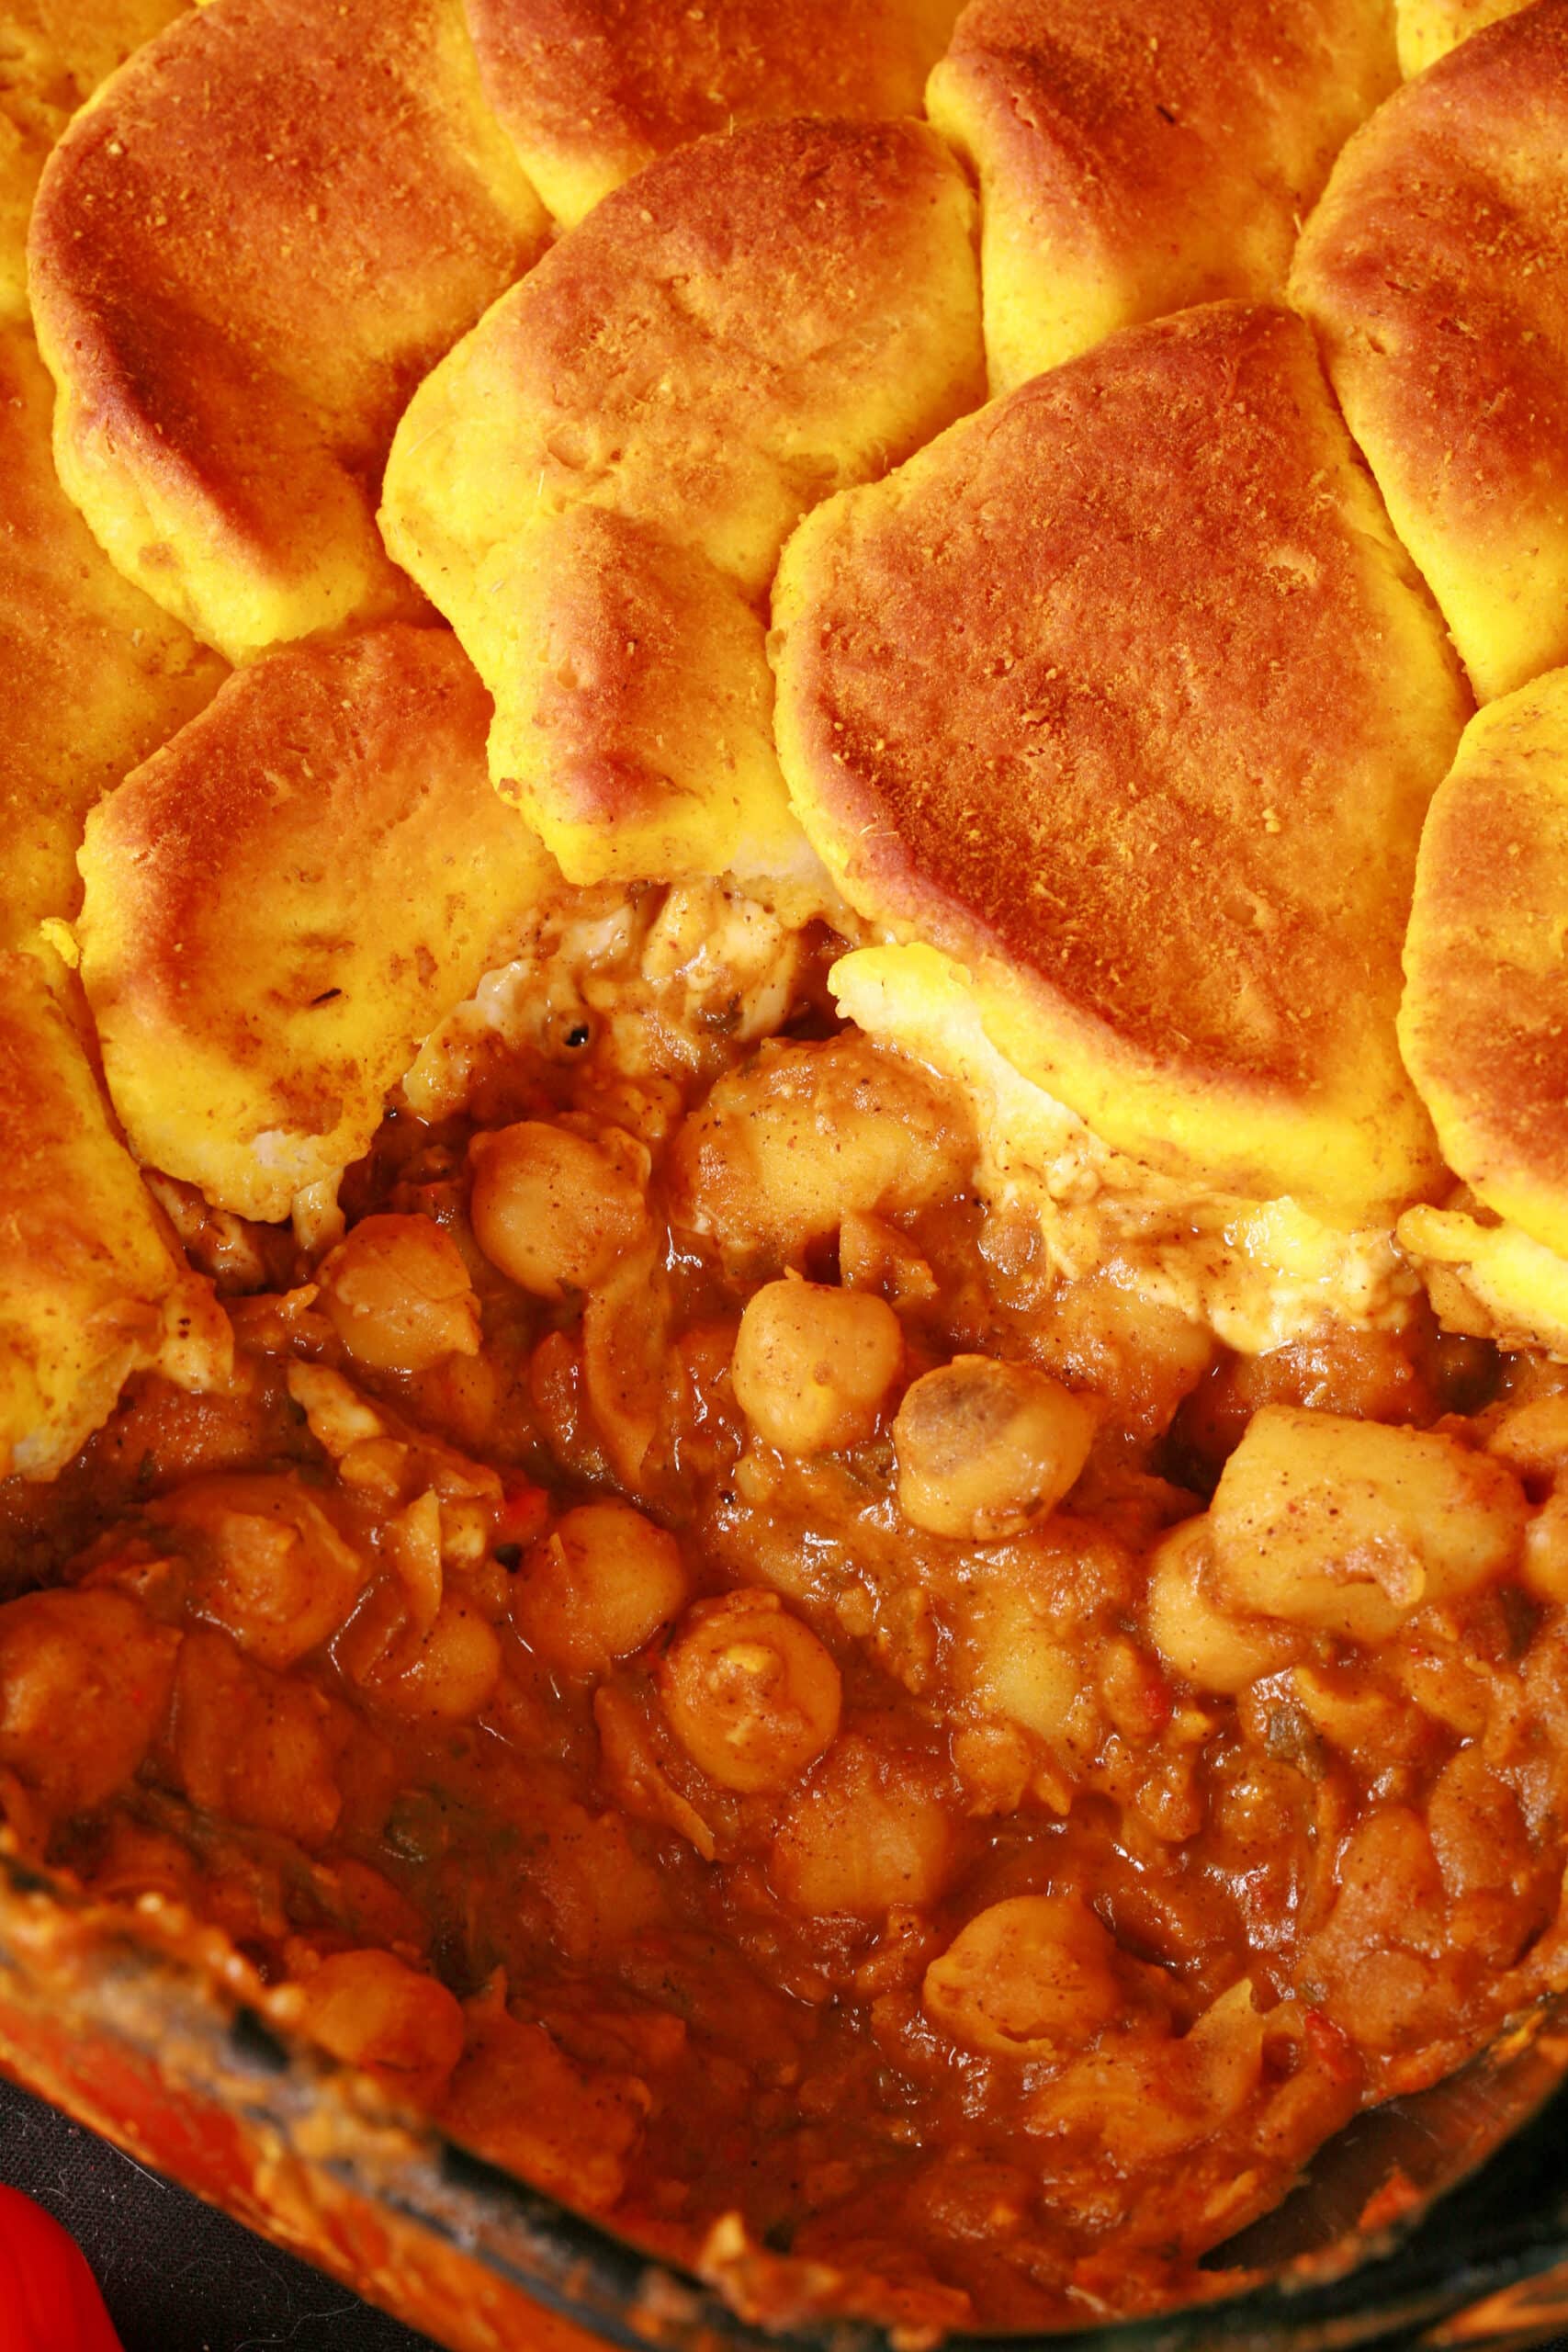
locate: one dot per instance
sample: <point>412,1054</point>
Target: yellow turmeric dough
<point>1485,1023</point>
<point>91,1289</point>
<point>1429,28</point>
<point>282,903</point>
<point>596,485</point>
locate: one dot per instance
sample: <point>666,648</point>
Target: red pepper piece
<point>48,2298</point>
<point>524,1509</point>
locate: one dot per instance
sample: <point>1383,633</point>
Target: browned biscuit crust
<point>1436,272</point>
<point>93,676</point>
<point>1123,695</point>
<point>592,90</point>
<point>757,320</point>
<point>53,53</point>
<point>91,1287</point>
<point>1136,156</point>
<point>1484,1021</point>
<point>244,258</point>
<point>283,902</point>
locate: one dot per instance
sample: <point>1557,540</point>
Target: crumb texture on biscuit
<point>1429,28</point>
<point>1123,695</point>
<point>756,322</point>
<point>244,255</point>
<point>592,90</point>
<point>1436,273</point>
<point>53,54</point>
<point>93,675</point>
<point>282,903</point>
<point>1135,159</point>
<point>90,1288</point>
<point>1485,1020</point>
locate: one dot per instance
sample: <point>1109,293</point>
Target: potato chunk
<point>1348,1526</point>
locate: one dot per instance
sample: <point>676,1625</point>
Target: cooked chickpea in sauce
<point>697,1657</point>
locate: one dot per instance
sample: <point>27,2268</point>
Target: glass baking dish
<point>1440,2220</point>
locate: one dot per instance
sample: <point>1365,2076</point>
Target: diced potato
<point>1212,1648</point>
<point>1348,1526</point>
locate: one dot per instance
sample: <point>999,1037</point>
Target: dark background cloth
<point>176,2276</point>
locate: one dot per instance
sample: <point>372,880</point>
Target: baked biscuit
<point>759,321</point>
<point>90,1288</point>
<point>1484,1021</point>
<point>1124,696</point>
<point>236,300</point>
<point>1436,272</point>
<point>283,902</point>
<point>592,90</point>
<point>1487,1279</point>
<point>93,676</point>
<point>53,53</point>
<point>1140,155</point>
<point>1429,28</point>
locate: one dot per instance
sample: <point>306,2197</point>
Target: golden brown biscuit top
<point>244,258</point>
<point>1484,1021</point>
<point>283,902</point>
<point>1436,272</point>
<point>592,90</point>
<point>93,676</point>
<point>711,350</point>
<point>1137,157</point>
<point>53,53</point>
<point>1125,685</point>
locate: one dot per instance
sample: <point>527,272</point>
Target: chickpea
<point>812,1365</point>
<point>787,1145</point>
<point>867,1831</point>
<point>1209,1648</point>
<point>373,2011</point>
<point>398,1295</point>
<point>85,1684</point>
<point>552,1210</point>
<point>1029,1978</point>
<point>272,1569</point>
<point>984,1448</point>
<point>452,1674</point>
<point>751,1694</point>
<point>598,1587</point>
<point>261,1748</point>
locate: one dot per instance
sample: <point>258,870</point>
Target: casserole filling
<point>698,1649</point>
